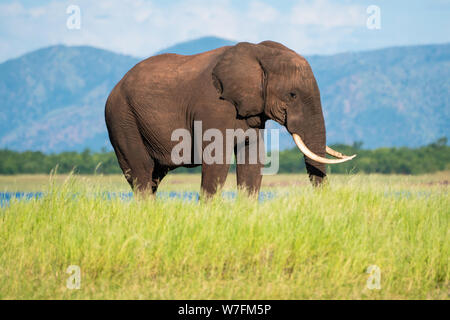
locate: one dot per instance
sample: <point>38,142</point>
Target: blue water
<point>6,197</point>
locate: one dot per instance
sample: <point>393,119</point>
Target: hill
<point>52,99</point>
<point>197,45</point>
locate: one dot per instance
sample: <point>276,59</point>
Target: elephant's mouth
<point>308,153</point>
<point>283,119</point>
<point>278,114</point>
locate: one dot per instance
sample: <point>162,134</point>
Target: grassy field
<point>304,244</point>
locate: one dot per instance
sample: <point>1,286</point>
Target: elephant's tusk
<point>335,153</point>
<point>304,149</point>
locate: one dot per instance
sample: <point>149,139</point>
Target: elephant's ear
<point>240,78</point>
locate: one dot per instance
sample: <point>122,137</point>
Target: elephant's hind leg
<point>159,172</point>
<point>134,160</point>
<point>137,166</point>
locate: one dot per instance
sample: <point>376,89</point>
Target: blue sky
<point>140,27</point>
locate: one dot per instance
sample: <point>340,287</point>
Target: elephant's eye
<point>293,95</point>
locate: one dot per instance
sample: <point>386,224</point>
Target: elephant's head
<point>272,81</point>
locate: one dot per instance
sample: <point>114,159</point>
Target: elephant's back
<point>170,69</point>
<point>169,80</point>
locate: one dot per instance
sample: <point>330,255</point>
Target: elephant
<point>231,87</point>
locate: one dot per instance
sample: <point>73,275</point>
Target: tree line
<point>427,159</point>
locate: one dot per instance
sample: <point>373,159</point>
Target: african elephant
<point>232,87</point>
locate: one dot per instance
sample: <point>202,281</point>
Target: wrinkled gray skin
<point>231,87</point>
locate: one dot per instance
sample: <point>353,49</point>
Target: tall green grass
<point>305,244</point>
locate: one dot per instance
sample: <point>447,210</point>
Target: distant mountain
<point>53,99</point>
<point>197,45</point>
<point>397,96</point>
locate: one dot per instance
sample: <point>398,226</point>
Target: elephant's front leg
<point>215,154</point>
<point>249,177</point>
<point>214,160</point>
<point>213,177</point>
<point>249,165</point>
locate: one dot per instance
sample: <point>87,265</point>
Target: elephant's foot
<point>213,178</point>
<point>249,178</point>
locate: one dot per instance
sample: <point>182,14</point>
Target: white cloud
<point>37,12</point>
<point>262,12</point>
<point>142,27</point>
<point>11,9</point>
<point>328,14</point>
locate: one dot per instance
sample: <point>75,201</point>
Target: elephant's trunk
<point>313,146</point>
<point>314,137</point>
